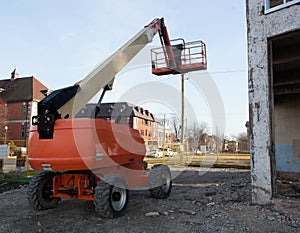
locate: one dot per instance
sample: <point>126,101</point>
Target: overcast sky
<point>60,42</point>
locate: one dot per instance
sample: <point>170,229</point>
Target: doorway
<point>285,89</point>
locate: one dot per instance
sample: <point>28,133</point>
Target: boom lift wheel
<point>111,196</point>
<point>160,181</point>
<point>40,191</point>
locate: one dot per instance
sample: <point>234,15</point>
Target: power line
<point>228,71</point>
<point>212,72</point>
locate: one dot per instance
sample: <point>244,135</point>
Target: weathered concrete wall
<point>287,134</point>
<point>260,28</point>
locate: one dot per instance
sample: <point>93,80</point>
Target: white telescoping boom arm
<point>107,70</point>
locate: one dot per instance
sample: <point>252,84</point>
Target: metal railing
<point>238,156</point>
<point>204,160</point>
<point>185,54</point>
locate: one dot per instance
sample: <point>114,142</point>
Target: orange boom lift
<point>93,159</point>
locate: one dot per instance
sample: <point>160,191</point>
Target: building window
<point>274,5</point>
<point>24,110</point>
<point>135,123</point>
<point>22,132</point>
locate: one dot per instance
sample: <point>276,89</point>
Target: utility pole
<point>5,136</point>
<point>182,108</point>
<point>164,140</point>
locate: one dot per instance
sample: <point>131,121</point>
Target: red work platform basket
<point>179,58</point>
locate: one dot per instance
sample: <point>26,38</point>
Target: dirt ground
<point>202,200</point>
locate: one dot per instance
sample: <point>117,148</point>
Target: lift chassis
<point>94,159</point>
<point>85,161</point>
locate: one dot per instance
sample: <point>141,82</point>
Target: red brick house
<point>19,98</point>
<point>125,113</point>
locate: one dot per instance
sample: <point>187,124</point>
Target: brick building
<point>128,114</point>
<point>19,98</point>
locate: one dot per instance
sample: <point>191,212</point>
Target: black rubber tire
<point>111,196</point>
<point>39,191</point>
<point>160,181</point>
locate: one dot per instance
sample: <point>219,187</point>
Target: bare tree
<point>197,135</point>
<point>242,137</point>
<point>203,127</point>
<point>176,127</point>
